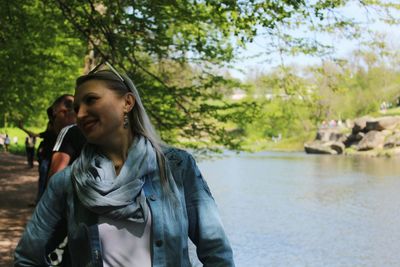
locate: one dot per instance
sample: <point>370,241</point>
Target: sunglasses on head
<point>111,68</point>
<point>105,65</point>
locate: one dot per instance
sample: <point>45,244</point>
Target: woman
<point>127,200</point>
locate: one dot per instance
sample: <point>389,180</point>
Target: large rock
<point>360,124</point>
<point>382,123</point>
<point>392,140</point>
<point>373,139</point>
<point>318,147</point>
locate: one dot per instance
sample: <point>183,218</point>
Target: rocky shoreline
<point>364,136</point>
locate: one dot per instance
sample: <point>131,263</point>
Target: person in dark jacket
<point>44,152</point>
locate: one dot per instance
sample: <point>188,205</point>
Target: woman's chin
<point>91,139</point>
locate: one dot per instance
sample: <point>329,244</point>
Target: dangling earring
<point>126,121</point>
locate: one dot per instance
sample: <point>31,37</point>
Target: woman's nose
<point>81,112</point>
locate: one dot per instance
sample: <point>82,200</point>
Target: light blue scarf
<point>116,196</point>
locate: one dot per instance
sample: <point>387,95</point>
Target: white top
<point>125,243</point>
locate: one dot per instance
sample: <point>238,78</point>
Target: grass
<point>389,112</point>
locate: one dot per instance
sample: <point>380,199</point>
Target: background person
<point>63,112</point>
<point>7,142</point>
<point>62,115</point>
<point>127,200</point>
<point>70,140</point>
<point>30,142</point>
<point>64,151</point>
<point>44,150</point>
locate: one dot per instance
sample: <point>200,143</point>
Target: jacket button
<point>96,253</point>
<point>53,256</point>
<point>159,243</point>
<point>152,197</point>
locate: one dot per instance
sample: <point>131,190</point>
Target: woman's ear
<point>129,102</point>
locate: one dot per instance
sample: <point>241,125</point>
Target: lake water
<point>293,209</point>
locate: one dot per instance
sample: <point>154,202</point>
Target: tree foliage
<point>39,58</point>
<point>358,85</point>
<point>289,104</point>
<point>170,48</point>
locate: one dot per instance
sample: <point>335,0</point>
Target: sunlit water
<point>292,209</point>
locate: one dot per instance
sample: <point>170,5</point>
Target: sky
<point>251,61</point>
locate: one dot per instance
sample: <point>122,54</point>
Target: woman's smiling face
<point>100,112</point>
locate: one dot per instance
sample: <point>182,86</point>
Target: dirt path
<point>18,185</point>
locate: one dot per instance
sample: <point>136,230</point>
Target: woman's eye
<point>90,100</point>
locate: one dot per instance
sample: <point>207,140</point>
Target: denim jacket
<point>60,213</point>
